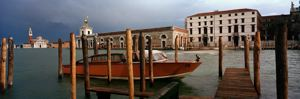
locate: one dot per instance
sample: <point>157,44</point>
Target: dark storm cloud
<point>53,19</point>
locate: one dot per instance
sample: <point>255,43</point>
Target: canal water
<point>35,75</point>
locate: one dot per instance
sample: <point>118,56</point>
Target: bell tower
<point>30,35</point>
<point>85,28</point>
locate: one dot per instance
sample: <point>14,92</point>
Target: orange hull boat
<point>120,70</point>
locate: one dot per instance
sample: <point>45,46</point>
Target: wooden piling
<point>150,62</point>
<point>135,43</point>
<point>60,71</point>
<point>73,65</point>
<point>176,48</point>
<point>129,62</point>
<point>86,65</point>
<point>108,61</point>
<point>3,65</point>
<point>95,47</point>
<point>142,62</point>
<point>246,52</point>
<point>220,57</point>
<point>257,62</point>
<point>281,64</point>
<point>10,62</point>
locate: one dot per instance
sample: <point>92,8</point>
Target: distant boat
<point>162,68</point>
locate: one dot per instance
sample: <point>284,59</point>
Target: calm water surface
<point>36,74</point>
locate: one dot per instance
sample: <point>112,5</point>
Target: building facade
<point>162,37</point>
<point>206,28</point>
<point>87,30</point>
<point>38,42</point>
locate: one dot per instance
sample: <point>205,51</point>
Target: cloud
<point>57,18</point>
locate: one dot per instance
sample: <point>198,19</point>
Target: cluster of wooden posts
<point>7,51</point>
<point>102,92</point>
<point>281,62</point>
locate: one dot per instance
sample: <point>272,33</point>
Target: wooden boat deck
<point>236,83</point>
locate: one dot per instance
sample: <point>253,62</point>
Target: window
<point>191,18</point>
<point>235,20</point>
<point>199,30</point>
<point>211,30</point>
<point>191,39</point>
<point>229,29</point>
<point>229,38</point>
<point>199,39</point>
<point>204,17</point>
<point>211,22</point>
<point>243,13</point>
<point>221,15</point>
<point>211,16</point>
<point>253,19</point>
<point>191,30</point>
<point>199,17</point>
<point>235,14</point>
<point>229,14</point>
<point>205,23</point>
<point>199,23</point>
<point>220,21</point>
<point>243,28</point>
<point>253,28</point>
<point>205,30</point>
<point>220,29</point>
<point>191,24</point>
<point>229,21</point>
<point>82,32</point>
<point>236,28</point>
<point>211,39</point>
<point>243,38</point>
<point>89,32</point>
<point>243,20</point>
<point>252,37</point>
<point>253,12</point>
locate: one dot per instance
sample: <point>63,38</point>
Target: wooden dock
<point>236,83</point>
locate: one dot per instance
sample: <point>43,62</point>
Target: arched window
<point>163,37</point>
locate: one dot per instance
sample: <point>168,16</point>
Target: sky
<point>55,19</point>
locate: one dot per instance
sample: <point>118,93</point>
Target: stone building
<point>87,30</point>
<point>162,37</point>
<point>38,42</point>
<point>205,28</point>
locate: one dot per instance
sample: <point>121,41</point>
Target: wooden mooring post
<point>246,52</point>
<point>129,62</point>
<point>220,57</point>
<point>256,62</point>
<point>142,62</point>
<point>150,62</point>
<point>3,65</point>
<point>176,48</point>
<point>108,61</point>
<point>60,71</point>
<point>86,65</point>
<point>281,64</point>
<point>10,62</point>
<point>73,65</point>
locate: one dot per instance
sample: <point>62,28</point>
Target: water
<point>36,74</point>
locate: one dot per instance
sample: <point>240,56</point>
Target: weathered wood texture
<point>281,64</point>
<point>220,57</point>
<point>150,62</point>
<point>86,65</point>
<point>170,91</point>
<point>3,65</point>
<point>10,62</point>
<point>60,71</point>
<point>73,65</point>
<point>129,62</point>
<point>236,83</point>
<point>256,62</point>
<point>246,52</point>
<point>142,62</point>
<point>108,61</point>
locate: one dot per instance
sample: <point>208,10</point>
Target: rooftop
<point>223,12</point>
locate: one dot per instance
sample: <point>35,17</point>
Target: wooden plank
<point>236,83</point>
<point>119,91</point>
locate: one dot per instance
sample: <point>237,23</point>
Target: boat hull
<point>120,70</point>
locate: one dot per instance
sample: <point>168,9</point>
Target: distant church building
<point>162,37</point>
<point>38,42</point>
